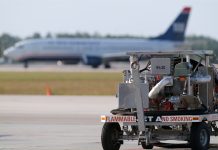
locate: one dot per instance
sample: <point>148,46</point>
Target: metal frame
<point>144,132</point>
<point>134,66</point>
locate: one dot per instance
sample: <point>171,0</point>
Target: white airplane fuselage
<point>58,49</point>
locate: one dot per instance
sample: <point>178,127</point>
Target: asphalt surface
<point>59,123</point>
<point>53,67</point>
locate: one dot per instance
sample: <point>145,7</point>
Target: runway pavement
<point>53,67</point>
<point>56,123</point>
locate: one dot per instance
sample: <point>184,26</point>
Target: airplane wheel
<point>200,136</point>
<point>145,146</point>
<point>26,65</point>
<point>110,135</point>
<point>95,66</point>
<point>107,66</point>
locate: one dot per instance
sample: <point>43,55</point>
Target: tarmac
<point>53,67</point>
<point>59,123</point>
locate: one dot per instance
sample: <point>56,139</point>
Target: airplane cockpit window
<point>20,46</point>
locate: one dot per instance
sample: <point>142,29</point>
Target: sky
<point>135,17</point>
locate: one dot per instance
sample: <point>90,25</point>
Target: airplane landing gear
<point>26,64</point>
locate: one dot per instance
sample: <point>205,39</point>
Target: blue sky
<point>136,17</point>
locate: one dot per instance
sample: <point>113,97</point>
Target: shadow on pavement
<point>4,135</point>
<point>173,146</point>
<point>170,145</point>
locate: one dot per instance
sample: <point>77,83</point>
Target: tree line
<point>195,42</point>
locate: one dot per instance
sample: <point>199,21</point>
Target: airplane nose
<point>8,52</point>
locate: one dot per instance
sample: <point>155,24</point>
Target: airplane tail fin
<point>176,31</point>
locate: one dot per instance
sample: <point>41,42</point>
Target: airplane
<point>97,51</point>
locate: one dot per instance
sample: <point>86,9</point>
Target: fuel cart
<point>166,95</point>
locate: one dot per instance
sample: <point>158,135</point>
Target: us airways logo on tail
<point>179,27</point>
<point>176,31</point>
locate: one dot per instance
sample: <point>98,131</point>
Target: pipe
<point>168,80</point>
<point>201,79</point>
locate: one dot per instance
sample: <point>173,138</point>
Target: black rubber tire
<point>95,66</point>
<point>109,136</point>
<point>107,66</point>
<point>200,136</point>
<point>145,146</point>
<point>26,64</point>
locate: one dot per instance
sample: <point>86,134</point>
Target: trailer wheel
<point>200,136</point>
<point>147,146</point>
<point>109,136</point>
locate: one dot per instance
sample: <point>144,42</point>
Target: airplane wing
<point>97,60</point>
